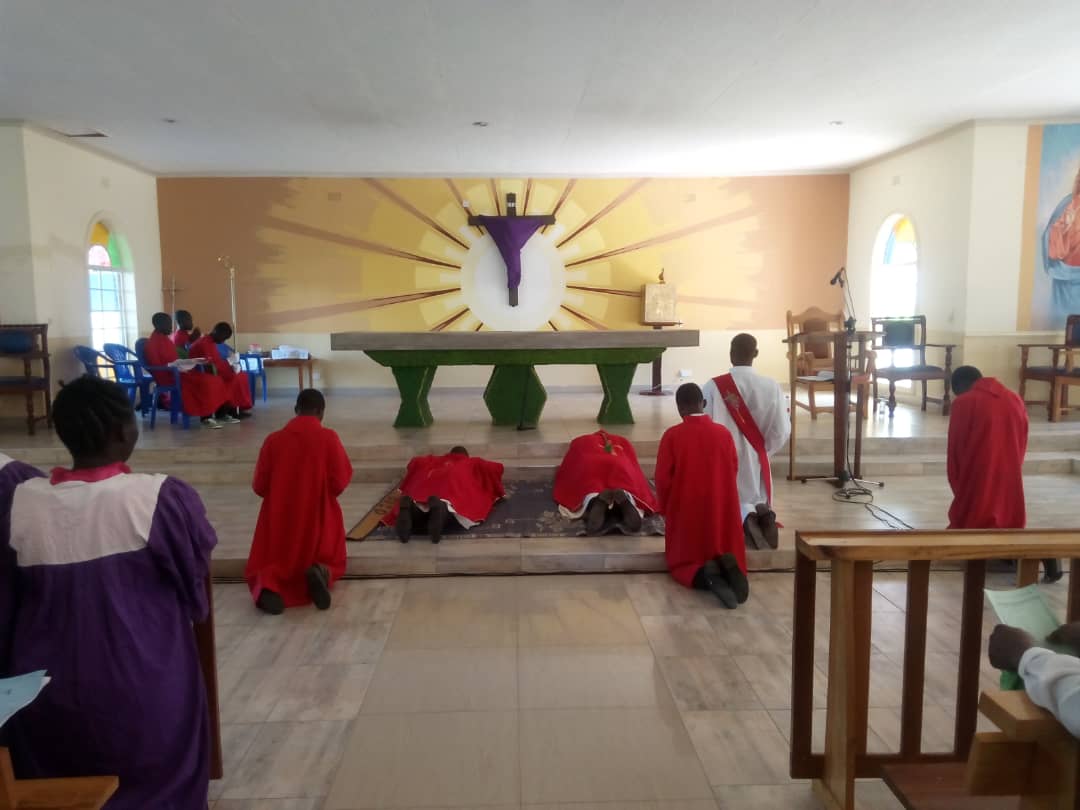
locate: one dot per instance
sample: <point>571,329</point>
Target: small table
<point>299,364</point>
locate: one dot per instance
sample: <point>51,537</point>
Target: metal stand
<point>657,389</point>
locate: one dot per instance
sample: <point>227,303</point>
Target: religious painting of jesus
<point>1056,281</point>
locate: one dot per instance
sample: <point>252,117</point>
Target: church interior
<point>483,230</point>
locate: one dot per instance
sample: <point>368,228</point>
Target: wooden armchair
<point>909,334</point>
<point>27,343</point>
<point>1064,378</point>
<point>1047,374</point>
<point>816,356</point>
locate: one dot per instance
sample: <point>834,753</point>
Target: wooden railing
<point>851,556</point>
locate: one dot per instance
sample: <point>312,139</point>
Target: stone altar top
<point>455,341</point>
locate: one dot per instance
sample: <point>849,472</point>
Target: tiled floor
<point>571,692</point>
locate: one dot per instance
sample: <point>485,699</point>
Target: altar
<point>514,395</point>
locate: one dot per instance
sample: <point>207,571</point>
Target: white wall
<point>70,187</point>
<point>16,262</point>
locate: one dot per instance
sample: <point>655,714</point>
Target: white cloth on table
<point>1052,680</point>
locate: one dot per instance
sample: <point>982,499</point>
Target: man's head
<point>162,323</point>
<point>689,399</point>
<point>95,421</point>
<point>184,320</point>
<point>458,451</point>
<point>743,350</point>
<point>221,332</point>
<point>310,403</point>
<point>963,378</point>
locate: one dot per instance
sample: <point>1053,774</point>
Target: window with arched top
<point>894,280</point>
<point>112,289</point>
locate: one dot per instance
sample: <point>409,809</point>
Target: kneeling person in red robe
<point>438,489</point>
<point>237,384</point>
<point>697,487</point>
<point>601,480</point>
<point>299,547</point>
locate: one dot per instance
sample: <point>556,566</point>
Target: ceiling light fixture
<point>480,123</point>
<point>836,123</point>
<point>169,120</point>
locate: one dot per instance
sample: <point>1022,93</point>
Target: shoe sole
<point>437,516</point>
<point>403,524</point>
<point>740,585</point>
<point>594,517</point>
<point>318,588</point>
<point>723,591</point>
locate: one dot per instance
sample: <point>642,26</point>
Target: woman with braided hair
<point>107,568</point>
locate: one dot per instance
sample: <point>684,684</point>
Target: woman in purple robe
<point>107,570</point>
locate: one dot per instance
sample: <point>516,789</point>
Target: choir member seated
<point>299,547</point>
<point>202,395</point>
<point>601,481</point>
<point>439,491</point>
<point>698,494</point>
<point>186,332</point>
<point>237,384</point>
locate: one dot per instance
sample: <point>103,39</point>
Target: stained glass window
<point>109,285</point>
<point>895,281</point>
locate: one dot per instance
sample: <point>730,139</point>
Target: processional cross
<point>510,232</point>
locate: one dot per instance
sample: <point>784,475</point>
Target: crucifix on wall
<point>510,232</point>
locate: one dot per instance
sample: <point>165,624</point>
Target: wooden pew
<point>851,557</point>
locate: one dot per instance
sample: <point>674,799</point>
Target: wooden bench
<point>27,343</point>
<point>851,557</point>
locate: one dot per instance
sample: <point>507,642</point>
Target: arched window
<point>894,283</point>
<point>112,289</point>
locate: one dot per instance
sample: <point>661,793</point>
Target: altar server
<point>108,569</point>
<point>237,384</point>
<point>438,489</point>
<point>756,412</point>
<point>186,332</point>
<point>698,494</point>
<point>299,547</point>
<point>202,395</point>
<point>601,481</point>
<point>988,430</point>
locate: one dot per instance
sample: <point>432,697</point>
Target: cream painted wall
<point>68,188</point>
<point>16,261</point>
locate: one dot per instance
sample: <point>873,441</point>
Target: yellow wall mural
<point>318,255</point>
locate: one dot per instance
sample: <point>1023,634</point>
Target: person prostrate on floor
<point>1051,679</point>
<point>601,481</point>
<point>438,489</point>
<point>237,384</point>
<point>755,410</point>
<point>988,432</point>
<point>186,332</point>
<point>696,486</point>
<point>108,569</point>
<point>202,395</point>
<point>299,547</point>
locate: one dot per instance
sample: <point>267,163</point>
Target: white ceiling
<point>570,87</point>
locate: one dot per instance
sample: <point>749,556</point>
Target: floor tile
<point>672,804</point>
<point>456,759</point>
<point>326,692</point>
<point>590,677</point>
<point>444,614</point>
<point>288,760</point>
<point>249,695</point>
<point>268,804</point>
<point>346,643</point>
<point>744,632</point>
<point>236,738</point>
<point>444,681</point>
<point>703,683</point>
<point>562,613</point>
<point>607,755</point>
<point>682,635</point>
<point>770,678</point>
<point>767,797</point>
<point>739,747</point>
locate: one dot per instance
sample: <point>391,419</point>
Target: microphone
<point>839,276</point>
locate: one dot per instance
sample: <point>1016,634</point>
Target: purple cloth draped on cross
<point>510,234</point>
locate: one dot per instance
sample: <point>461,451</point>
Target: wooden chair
<point>815,357</point>
<point>909,334</point>
<point>27,343</point>
<point>1047,374</point>
<point>77,793</point>
<point>1064,378</point>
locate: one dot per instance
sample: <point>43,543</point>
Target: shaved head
<point>743,349</point>
<point>689,399</point>
<point>963,378</point>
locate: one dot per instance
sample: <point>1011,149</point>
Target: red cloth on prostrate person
<point>698,494</point>
<point>301,471</point>
<point>988,429</point>
<point>201,394</point>
<point>596,462</point>
<point>470,485</point>
<point>237,384</point>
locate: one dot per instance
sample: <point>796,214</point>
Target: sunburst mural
<point>388,254</point>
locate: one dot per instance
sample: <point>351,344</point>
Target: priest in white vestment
<point>756,411</point>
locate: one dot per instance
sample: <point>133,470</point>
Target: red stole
<point>740,413</point>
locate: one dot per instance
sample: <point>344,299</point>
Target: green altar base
<point>514,395</point>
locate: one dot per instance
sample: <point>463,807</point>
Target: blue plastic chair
<point>176,408</point>
<point>92,360</point>
<point>131,374</point>
<point>250,362</point>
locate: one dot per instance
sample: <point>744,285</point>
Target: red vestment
<point>596,462</point>
<point>301,471</point>
<point>237,384</point>
<point>201,394</point>
<point>181,338</point>
<point>988,430</point>
<point>471,486</point>
<point>697,489</point>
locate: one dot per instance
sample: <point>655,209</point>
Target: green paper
<point>1026,609</point>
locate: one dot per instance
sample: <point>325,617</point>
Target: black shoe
<point>595,515</point>
<point>629,516</point>
<point>767,522</point>
<point>729,568</point>
<point>270,602</point>
<point>438,514</point>
<point>403,524</point>
<point>318,585</point>
<point>753,535</point>
<point>721,590</point>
